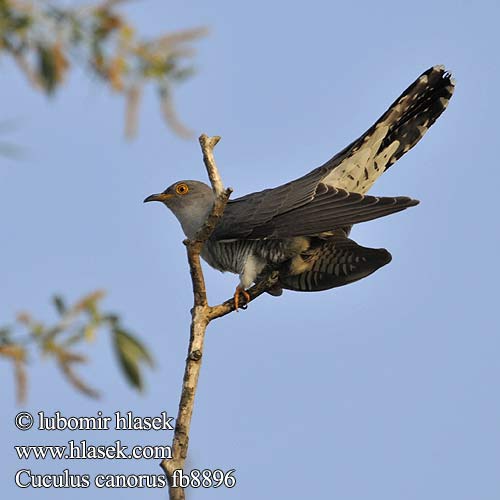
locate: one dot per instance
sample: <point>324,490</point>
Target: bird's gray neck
<point>192,217</point>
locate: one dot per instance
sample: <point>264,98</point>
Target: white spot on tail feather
<point>422,129</point>
<point>351,174</point>
<point>359,171</point>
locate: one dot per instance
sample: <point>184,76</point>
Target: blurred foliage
<point>76,324</point>
<point>47,41</point>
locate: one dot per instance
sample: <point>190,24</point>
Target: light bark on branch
<point>201,315</point>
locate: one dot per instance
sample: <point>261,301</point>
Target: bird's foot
<point>240,290</point>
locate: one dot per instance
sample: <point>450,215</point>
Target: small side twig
<point>256,291</point>
<point>201,315</point>
<point>207,148</point>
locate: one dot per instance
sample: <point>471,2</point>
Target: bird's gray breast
<point>231,255</point>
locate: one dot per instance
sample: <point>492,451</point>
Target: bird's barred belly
<point>232,255</point>
<point>227,255</point>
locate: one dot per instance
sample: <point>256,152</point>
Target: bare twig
<point>134,94</point>
<point>207,148</point>
<point>201,315</point>
<point>170,114</point>
<point>65,361</point>
<point>182,36</point>
<point>18,356</point>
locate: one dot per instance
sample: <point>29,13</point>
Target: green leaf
<point>182,73</point>
<point>93,311</point>
<point>38,329</point>
<point>47,68</point>
<point>21,23</point>
<point>76,29</point>
<point>75,338</point>
<point>89,332</point>
<point>131,353</point>
<point>112,319</point>
<point>59,304</point>
<point>5,335</point>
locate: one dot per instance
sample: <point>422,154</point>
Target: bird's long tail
<point>394,133</point>
<point>418,107</point>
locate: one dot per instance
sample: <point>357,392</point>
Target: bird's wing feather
<point>354,169</point>
<point>329,209</point>
<point>333,262</point>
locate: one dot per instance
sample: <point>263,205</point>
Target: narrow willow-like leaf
<point>47,70</point>
<point>59,304</point>
<point>131,353</point>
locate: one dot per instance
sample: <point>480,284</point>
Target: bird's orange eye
<point>182,188</point>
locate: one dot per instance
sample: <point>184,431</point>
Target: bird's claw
<point>240,290</point>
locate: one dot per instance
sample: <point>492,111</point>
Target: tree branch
<point>256,291</point>
<point>201,315</point>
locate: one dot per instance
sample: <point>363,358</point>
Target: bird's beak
<point>158,197</point>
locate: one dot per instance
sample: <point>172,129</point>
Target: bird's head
<point>190,201</point>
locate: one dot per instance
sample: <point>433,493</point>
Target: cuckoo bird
<point>301,228</point>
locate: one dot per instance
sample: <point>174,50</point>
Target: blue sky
<point>385,389</point>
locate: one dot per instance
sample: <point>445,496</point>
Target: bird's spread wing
<point>272,213</point>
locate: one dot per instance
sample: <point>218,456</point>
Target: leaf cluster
<point>75,325</point>
<point>47,41</point>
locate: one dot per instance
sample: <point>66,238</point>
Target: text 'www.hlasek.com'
<point>27,477</point>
